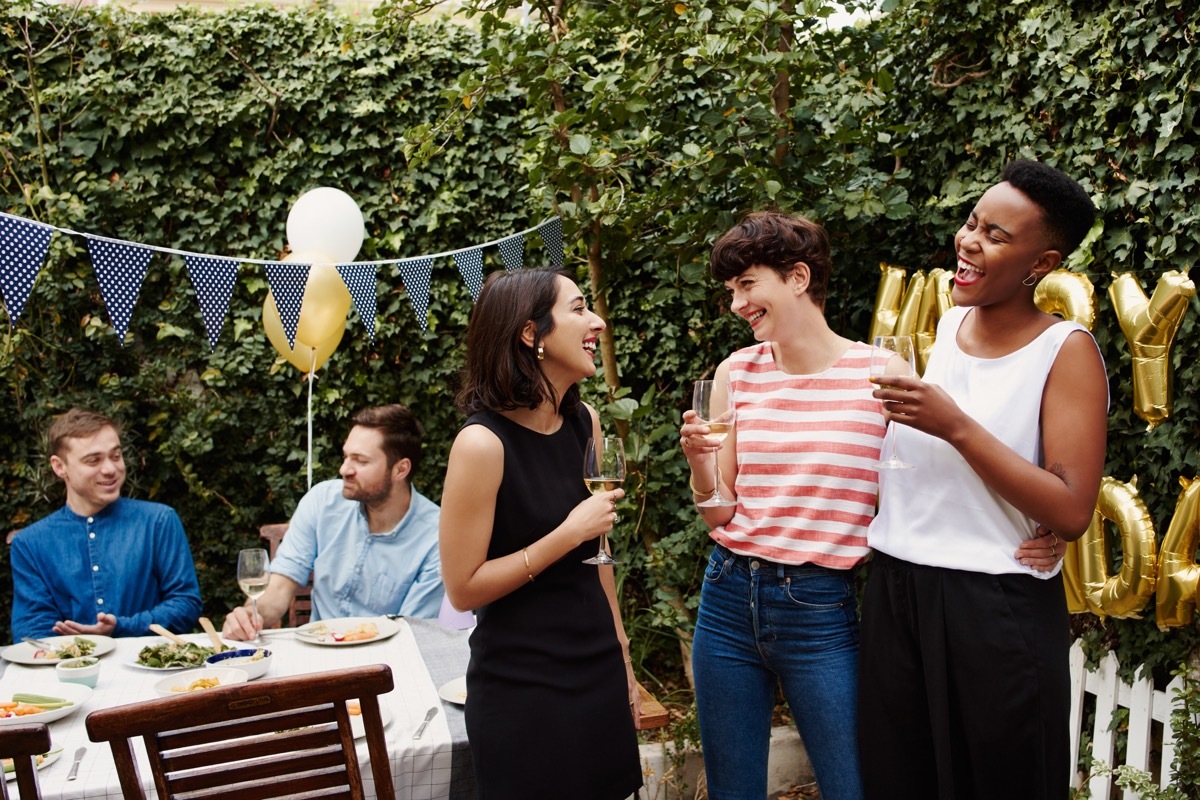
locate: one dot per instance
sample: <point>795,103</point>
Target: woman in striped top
<point>779,603</point>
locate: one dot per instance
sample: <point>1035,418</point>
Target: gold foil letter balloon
<point>887,301</point>
<point>1178,573</point>
<point>1149,327</point>
<point>1124,594</point>
<point>1070,295</point>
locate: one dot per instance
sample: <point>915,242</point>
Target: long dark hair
<point>501,373</point>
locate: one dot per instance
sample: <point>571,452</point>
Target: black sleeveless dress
<point>547,708</point>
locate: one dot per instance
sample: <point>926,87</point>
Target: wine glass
<point>892,355</point>
<point>603,471</point>
<point>712,402</point>
<point>253,575</point>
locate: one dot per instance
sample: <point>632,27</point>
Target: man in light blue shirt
<point>369,540</point>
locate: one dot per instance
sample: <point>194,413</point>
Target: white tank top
<point>942,513</point>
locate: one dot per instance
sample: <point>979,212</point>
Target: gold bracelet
<point>699,493</point>
<point>528,571</point>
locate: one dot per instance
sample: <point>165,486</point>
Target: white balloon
<point>326,220</point>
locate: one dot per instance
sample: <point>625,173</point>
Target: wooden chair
<point>300,610</point>
<point>22,743</point>
<point>271,738</point>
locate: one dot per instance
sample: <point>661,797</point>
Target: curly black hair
<point>1067,211</point>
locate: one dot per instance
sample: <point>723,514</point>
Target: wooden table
<point>434,767</point>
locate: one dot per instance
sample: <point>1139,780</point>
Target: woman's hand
<point>693,436</point>
<point>923,406</point>
<point>594,516</point>
<point>635,697</point>
<point>1043,552</point>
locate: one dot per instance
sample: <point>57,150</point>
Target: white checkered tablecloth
<point>420,769</point>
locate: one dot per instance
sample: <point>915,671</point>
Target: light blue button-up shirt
<point>356,573</point>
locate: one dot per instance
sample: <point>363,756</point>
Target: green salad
<point>173,655</point>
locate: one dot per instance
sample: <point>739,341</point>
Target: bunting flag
<point>470,266</point>
<point>23,246</point>
<point>551,232</point>
<point>287,281</point>
<point>120,268</point>
<point>213,280</point>
<point>416,272</point>
<point>512,251</point>
<point>360,279</point>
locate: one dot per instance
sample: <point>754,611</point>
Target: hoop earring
<point>1031,280</point>
<point>541,353</point>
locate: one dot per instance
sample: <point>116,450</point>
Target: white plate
<point>195,638</point>
<point>22,652</point>
<point>47,760</point>
<point>305,633</point>
<point>77,693</point>
<point>360,730</point>
<point>455,691</point>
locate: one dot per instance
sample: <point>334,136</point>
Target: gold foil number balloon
<point>1124,594</point>
<point>1070,295</point>
<point>1178,573</point>
<point>1149,327</point>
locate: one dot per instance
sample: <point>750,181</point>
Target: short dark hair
<point>778,241</point>
<point>501,373</point>
<point>1067,211</point>
<point>402,433</point>
<point>77,423</point>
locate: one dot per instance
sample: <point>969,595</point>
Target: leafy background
<point>648,127</point>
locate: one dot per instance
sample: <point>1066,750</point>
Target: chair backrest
<point>274,737</point>
<point>23,743</point>
<point>300,609</point>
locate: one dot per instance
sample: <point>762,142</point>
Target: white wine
<point>598,485</point>
<point>255,588</point>
<point>719,430</point>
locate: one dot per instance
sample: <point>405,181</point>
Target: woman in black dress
<point>550,705</point>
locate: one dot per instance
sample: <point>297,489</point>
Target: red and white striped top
<point>807,449</point>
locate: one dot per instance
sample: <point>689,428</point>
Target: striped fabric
<point>807,447</point>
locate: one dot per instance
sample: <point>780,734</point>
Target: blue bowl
<point>243,659</point>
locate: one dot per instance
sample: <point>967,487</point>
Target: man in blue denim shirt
<point>120,562</point>
<point>369,540</point>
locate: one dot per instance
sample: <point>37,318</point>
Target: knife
<point>75,764</point>
<point>38,643</point>
<point>430,714</point>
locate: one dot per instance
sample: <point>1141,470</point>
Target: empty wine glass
<point>892,356</point>
<point>603,471</point>
<point>713,403</point>
<point>253,575</point>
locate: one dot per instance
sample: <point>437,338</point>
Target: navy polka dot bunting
<point>416,272</point>
<point>512,251</point>
<point>551,232</point>
<point>360,280</point>
<point>470,266</point>
<point>120,269</point>
<point>213,280</point>
<point>23,246</point>
<point>287,281</point>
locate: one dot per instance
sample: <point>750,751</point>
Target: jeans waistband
<point>764,566</point>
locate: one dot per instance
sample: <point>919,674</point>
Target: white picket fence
<point>1146,706</point>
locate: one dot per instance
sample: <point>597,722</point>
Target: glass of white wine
<point>253,575</point>
<point>603,471</point>
<point>892,356</point>
<point>713,403</point>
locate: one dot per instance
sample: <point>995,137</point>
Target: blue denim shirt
<point>131,560</point>
<point>357,573</point>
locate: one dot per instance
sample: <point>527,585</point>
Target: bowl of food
<point>84,670</point>
<point>254,661</point>
<point>196,680</point>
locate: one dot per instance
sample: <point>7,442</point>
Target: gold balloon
<point>887,300</point>
<point>1125,594</point>
<point>326,298</point>
<point>1068,294</point>
<point>910,307</point>
<point>1178,573</point>
<point>1073,580</point>
<point>1149,327</point>
<point>304,357</point>
<point>935,301</point>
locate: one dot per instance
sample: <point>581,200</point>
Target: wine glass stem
<point>254,619</point>
<point>603,545</point>
<point>716,477</point>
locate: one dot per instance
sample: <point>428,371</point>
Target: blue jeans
<point>761,623</point>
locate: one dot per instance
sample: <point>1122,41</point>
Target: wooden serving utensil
<point>166,634</point>
<point>218,645</point>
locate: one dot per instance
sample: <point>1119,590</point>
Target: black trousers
<point>964,685</point>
